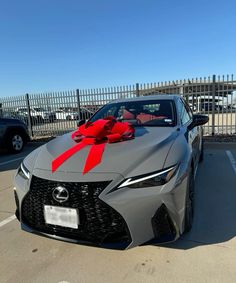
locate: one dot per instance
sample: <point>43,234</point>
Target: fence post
<point>137,89</point>
<point>78,103</point>
<point>29,115</point>
<point>213,103</point>
<point>1,114</point>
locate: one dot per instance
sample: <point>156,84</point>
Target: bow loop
<point>88,140</point>
<point>96,134</point>
<point>114,138</point>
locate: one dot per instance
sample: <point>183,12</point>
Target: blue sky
<point>48,45</point>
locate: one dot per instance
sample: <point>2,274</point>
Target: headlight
<point>152,179</point>
<point>23,171</point>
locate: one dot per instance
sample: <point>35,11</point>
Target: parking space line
<point>231,159</point>
<point>12,160</point>
<point>7,220</point>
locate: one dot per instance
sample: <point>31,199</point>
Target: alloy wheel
<point>17,142</point>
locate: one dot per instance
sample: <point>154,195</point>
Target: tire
<point>68,118</point>
<point>16,142</point>
<point>189,203</point>
<point>201,158</point>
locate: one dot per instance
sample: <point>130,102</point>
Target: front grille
<point>99,223</point>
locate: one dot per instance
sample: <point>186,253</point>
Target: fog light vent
<point>163,227</point>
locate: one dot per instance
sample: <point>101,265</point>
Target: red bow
<point>97,134</point>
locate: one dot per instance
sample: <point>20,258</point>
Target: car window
<point>146,112</point>
<point>184,113</point>
<point>22,110</point>
<point>39,109</point>
<point>188,109</point>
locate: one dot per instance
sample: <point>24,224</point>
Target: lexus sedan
<point>141,189</point>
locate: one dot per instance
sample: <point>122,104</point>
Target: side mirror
<point>199,120</point>
<point>80,122</point>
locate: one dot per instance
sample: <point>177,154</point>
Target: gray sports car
<point>139,187</point>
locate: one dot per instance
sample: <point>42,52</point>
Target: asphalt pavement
<point>206,254</point>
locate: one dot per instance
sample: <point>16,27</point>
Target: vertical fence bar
<point>78,103</point>
<point>213,104</point>
<point>137,89</point>
<point>227,105</point>
<point>231,105</point>
<point>221,110</point>
<point>218,103</point>
<point>234,101</point>
<point>29,115</point>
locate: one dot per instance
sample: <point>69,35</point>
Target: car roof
<point>149,97</point>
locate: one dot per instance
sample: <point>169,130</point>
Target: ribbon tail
<point>66,155</point>
<point>94,157</point>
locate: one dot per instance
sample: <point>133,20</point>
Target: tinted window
<point>188,109</point>
<point>140,113</point>
<point>185,113</point>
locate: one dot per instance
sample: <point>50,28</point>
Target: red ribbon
<point>96,134</point>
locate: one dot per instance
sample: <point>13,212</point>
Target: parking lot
<point>206,254</point>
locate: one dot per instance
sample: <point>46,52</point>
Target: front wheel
<point>189,203</point>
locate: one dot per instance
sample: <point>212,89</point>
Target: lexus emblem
<point>60,194</point>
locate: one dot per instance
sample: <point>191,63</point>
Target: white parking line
<point>12,160</point>
<point>9,219</point>
<point>231,159</point>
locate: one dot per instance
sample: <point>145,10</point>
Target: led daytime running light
<point>130,182</point>
<point>23,169</point>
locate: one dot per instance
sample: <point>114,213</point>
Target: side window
<point>188,109</point>
<point>185,113</point>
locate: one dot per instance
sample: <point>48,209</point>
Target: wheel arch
<point>16,129</point>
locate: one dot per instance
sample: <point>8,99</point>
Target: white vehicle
<point>61,114</point>
<point>72,114</point>
<point>38,112</point>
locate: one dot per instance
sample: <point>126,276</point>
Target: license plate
<point>61,216</point>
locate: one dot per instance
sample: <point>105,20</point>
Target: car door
<point>196,133</point>
<point>192,135</point>
<point>2,129</point>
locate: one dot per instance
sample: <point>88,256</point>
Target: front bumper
<point>122,219</point>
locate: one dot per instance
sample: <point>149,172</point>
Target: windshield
<point>140,113</point>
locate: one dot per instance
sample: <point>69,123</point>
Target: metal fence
<point>55,113</point>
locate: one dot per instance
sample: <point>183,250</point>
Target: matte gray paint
<point>152,149</point>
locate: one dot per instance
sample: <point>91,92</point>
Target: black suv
<point>13,134</point>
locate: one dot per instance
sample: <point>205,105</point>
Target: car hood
<point>147,152</point>
<point>12,121</point>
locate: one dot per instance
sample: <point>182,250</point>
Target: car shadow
<point>215,198</point>
<point>10,161</point>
